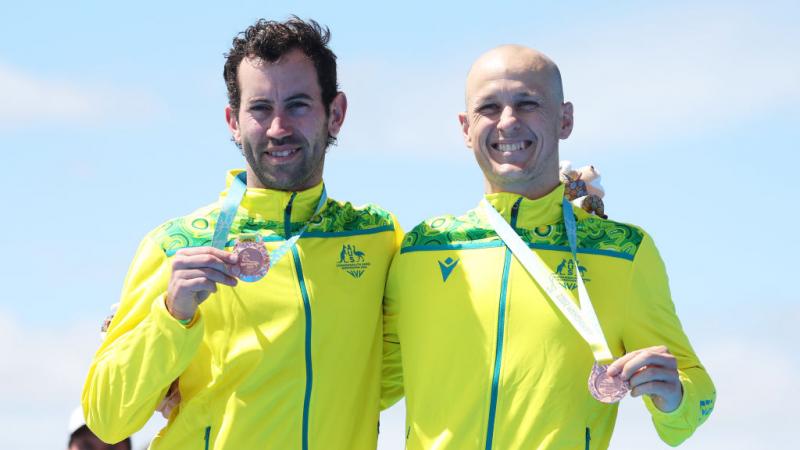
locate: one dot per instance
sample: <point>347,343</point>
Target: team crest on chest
<point>352,260</point>
<point>566,274</point>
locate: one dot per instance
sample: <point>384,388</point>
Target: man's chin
<point>284,185</point>
<point>288,182</point>
<point>509,172</point>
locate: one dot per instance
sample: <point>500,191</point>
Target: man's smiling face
<point>515,117</point>
<point>282,124</point>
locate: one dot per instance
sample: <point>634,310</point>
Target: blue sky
<point>111,121</point>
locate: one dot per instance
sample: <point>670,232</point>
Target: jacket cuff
<point>169,324</point>
<point>681,417</point>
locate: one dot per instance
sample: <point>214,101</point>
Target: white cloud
<point>30,99</point>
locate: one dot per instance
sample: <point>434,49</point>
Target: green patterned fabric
<point>196,229</point>
<point>341,217</point>
<point>593,233</point>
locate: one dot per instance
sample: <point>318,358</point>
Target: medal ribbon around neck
<point>583,317</point>
<point>228,212</point>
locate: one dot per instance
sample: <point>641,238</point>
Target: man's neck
<point>531,191</point>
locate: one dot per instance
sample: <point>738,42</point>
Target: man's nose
<point>508,120</point>
<point>279,127</point>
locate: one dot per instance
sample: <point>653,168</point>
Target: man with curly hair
<point>277,344</point>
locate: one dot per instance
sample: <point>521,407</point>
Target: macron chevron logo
<point>706,406</point>
<point>447,267</point>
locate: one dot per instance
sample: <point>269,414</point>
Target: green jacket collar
<point>532,212</point>
<point>271,204</point>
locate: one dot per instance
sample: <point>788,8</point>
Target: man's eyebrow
<point>483,99</point>
<point>527,94</point>
<point>519,95</point>
<point>300,96</point>
<point>258,99</point>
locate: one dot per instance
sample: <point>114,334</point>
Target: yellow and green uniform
<point>291,361</point>
<point>489,362</point>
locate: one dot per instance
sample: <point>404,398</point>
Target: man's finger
<point>658,388</point>
<point>196,285</point>
<point>199,261</point>
<point>647,358</point>
<point>228,257</point>
<point>653,373</point>
<point>616,367</point>
<point>211,274</point>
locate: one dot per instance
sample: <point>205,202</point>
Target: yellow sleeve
<point>398,233</point>
<point>652,320</point>
<point>145,350</point>
<point>392,373</point>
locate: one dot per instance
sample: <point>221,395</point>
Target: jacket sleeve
<point>652,320</point>
<point>145,350</point>
<point>392,373</point>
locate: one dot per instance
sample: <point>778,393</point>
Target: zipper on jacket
<point>501,319</point>
<point>287,227</point>
<point>588,437</point>
<point>207,437</point>
<point>287,217</point>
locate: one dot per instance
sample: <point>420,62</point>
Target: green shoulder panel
<point>197,229</point>
<point>602,234</point>
<point>192,230</point>
<point>594,235</point>
<point>343,217</point>
<point>448,230</point>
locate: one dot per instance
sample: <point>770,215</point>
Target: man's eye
<point>260,108</point>
<point>488,109</point>
<point>298,107</point>
<point>527,105</point>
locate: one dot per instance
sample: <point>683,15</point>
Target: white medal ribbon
<point>231,205</point>
<point>582,317</point>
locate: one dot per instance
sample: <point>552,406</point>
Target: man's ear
<point>233,124</point>
<point>462,119</point>
<point>567,121</point>
<point>337,112</point>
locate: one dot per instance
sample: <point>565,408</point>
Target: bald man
<point>523,321</point>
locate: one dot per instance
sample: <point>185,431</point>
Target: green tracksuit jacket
<point>291,361</point>
<point>488,362</point>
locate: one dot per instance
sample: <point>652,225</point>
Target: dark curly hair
<point>269,40</point>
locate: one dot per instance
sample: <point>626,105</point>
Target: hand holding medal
<point>195,274</point>
<point>652,371</point>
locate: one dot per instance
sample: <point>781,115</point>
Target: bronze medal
<point>605,388</point>
<point>253,260</point>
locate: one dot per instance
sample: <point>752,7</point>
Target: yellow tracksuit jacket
<point>291,361</point>
<point>488,362</point>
